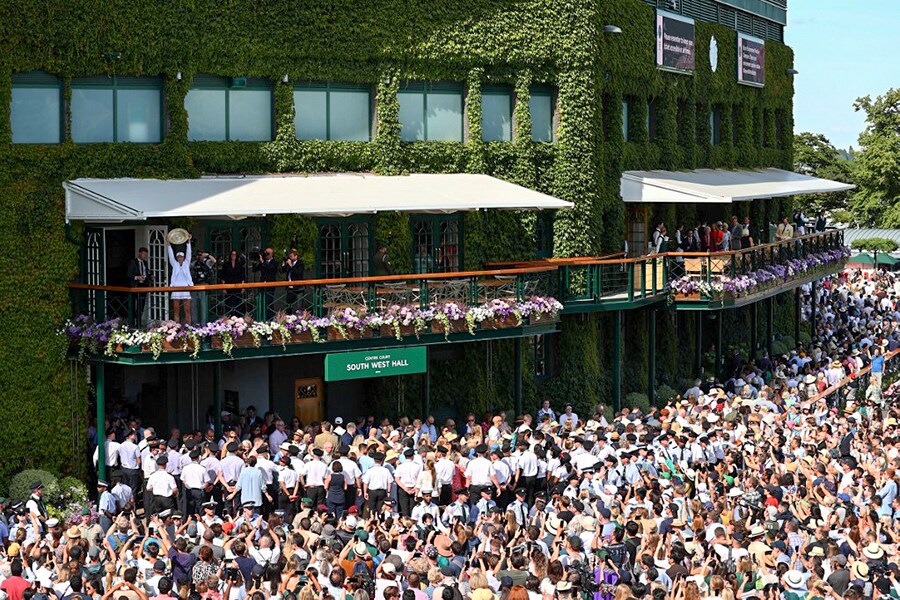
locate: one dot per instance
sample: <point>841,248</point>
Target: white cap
<point>338,421</point>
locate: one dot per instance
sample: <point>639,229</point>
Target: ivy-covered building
<point>558,96</point>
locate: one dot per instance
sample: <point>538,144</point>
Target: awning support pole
<point>754,331</point>
<point>797,303</point>
<point>101,420</point>
<point>426,387</point>
<point>217,398</point>
<point>812,310</point>
<point>770,325</point>
<point>518,375</point>
<point>651,355</point>
<point>617,361</point>
<point>698,346</point>
<point>719,370</point>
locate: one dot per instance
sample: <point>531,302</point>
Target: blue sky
<point>843,49</point>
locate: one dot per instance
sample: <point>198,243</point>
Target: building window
<point>626,112</point>
<point>541,356</point>
<point>735,138</point>
<point>236,109</point>
<point>36,109</point>
<point>541,108</point>
<point>333,112</point>
<point>431,111</point>
<point>683,130</point>
<point>344,248</point>
<point>436,243</point>
<point>779,129</point>
<point>117,109</point>
<point>651,120</point>
<point>543,234</point>
<point>496,113</point>
<point>715,126</point>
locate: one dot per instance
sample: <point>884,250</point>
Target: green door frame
<point>344,223</point>
<point>436,221</point>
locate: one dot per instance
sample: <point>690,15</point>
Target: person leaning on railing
<point>784,231</point>
<point>139,276</point>
<point>233,273</point>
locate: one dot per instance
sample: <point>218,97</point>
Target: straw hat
<point>860,570</point>
<point>178,236</point>
<point>793,579</point>
<point>443,544</point>
<point>73,532</point>
<point>873,551</point>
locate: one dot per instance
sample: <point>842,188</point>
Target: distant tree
<point>874,245</point>
<point>842,216</point>
<point>877,164</point>
<point>816,156</point>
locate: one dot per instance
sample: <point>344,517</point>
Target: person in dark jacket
<point>233,272</point>
<point>268,272</point>
<point>293,267</point>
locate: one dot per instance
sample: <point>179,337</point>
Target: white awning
<point>339,195</point>
<point>720,185</point>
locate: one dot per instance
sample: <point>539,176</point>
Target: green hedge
<point>381,43</point>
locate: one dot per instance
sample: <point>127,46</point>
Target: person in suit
<point>293,267</point>
<point>381,263</point>
<point>139,276</point>
<point>268,272</point>
<point>233,272</point>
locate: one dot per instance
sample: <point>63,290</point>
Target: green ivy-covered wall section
<point>381,43</point>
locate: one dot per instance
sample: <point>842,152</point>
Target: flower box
<point>352,334</point>
<point>167,346</point>
<point>692,296</point>
<point>243,341</point>
<point>388,330</point>
<point>501,323</point>
<point>296,337</point>
<point>457,326</point>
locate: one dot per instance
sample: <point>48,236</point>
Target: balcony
<point>691,281</point>
<point>712,281</point>
<point>309,317</point>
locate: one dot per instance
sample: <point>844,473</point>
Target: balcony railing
<point>321,297</point>
<point>702,277</point>
<point>613,282</point>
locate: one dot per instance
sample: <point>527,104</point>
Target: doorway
<point>120,246</point>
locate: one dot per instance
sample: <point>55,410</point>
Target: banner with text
<point>376,363</point>
<point>751,63</point>
<point>675,42</point>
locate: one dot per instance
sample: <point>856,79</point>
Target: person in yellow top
<point>784,231</point>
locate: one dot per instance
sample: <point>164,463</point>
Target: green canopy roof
<point>866,259</point>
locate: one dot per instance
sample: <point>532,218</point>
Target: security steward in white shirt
<point>376,484</point>
<point>162,487</point>
<point>443,471</point>
<point>195,479</point>
<point>479,471</point>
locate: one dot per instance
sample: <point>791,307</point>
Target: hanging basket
<point>457,326</point>
<point>352,334</point>
<point>296,337</point>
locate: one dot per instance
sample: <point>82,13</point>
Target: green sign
<point>375,363</point>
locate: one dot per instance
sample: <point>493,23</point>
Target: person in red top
<point>15,585</point>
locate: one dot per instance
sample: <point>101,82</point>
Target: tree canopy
<point>877,169</point>
<point>876,244</point>
<point>815,155</point>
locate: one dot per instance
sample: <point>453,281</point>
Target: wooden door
<point>309,399</point>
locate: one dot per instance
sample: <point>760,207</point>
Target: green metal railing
<point>319,298</point>
<point>707,266</point>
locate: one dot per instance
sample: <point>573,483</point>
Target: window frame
<point>715,126</point>
<point>652,120</point>
<point>626,118</point>
<point>227,84</point>
<point>543,91</point>
<point>99,82</point>
<point>426,88</point>
<point>328,87</point>
<point>41,80</point>
<point>344,224</point>
<point>434,222</point>
<point>500,90</point>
